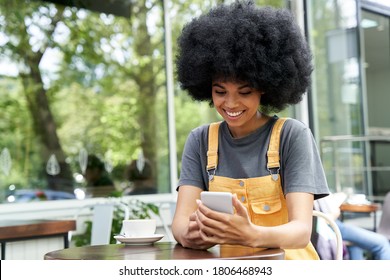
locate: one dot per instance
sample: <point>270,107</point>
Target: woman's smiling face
<point>238,104</point>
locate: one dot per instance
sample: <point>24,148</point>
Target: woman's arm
<point>297,232</point>
<point>184,227</point>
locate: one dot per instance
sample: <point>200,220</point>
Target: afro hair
<point>262,46</point>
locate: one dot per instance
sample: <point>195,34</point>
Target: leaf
<point>154,208</point>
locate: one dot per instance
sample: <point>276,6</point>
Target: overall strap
<point>212,153</point>
<point>273,159</point>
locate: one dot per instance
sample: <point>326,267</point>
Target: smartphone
<point>218,201</point>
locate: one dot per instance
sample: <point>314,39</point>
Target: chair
<point>339,240</point>
<point>168,231</point>
<point>102,215</point>
<point>384,224</point>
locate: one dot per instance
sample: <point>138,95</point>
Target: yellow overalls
<point>262,196</point>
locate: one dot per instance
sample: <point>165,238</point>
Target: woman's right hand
<point>185,229</point>
<point>192,238</point>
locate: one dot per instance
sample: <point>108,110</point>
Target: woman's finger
<point>240,208</point>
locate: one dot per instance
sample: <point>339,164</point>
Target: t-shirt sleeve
<point>302,169</point>
<point>191,166</point>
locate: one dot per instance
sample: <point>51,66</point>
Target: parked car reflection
<point>37,195</point>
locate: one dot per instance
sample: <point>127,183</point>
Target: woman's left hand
<point>222,228</point>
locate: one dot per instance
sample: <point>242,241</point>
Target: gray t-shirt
<point>301,168</point>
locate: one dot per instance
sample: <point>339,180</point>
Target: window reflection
<point>79,84</point>
<point>82,78</point>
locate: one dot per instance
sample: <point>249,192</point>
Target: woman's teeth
<point>234,114</point>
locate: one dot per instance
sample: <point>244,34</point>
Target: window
<point>336,96</point>
<point>376,44</point>
<point>83,89</point>
<point>84,107</point>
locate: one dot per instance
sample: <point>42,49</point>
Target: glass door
<point>336,94</point>
<point>376,49</point>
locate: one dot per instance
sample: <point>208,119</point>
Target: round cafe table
<point>163,251</point>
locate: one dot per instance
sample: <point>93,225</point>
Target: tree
<point>34,28</point>
<point>27,53</point>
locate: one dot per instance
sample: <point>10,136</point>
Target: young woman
<point>248,61</point>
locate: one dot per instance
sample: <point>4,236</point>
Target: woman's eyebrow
<point>240,87</point>
<point>218,85</point>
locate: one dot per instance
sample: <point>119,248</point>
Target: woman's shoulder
<point>294,130</point>
<point>199,134</point>
<point>295,125</point>
<point>200,130</point>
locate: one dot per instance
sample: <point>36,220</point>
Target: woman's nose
<point>231,101</point>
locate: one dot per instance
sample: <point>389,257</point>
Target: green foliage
<point>85,238</point>
<point>94,83</point>
<point>104,77</point>
<point>137,210</point>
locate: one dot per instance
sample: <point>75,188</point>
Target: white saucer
<point>141,240</point>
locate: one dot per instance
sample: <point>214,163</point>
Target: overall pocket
<point>267,211</point>
<point>266,202</point>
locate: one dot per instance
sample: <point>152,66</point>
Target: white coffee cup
<point>139,228</point>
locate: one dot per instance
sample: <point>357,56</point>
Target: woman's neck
<point>255,123</point>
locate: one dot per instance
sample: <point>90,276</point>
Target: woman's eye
<point>246,93</point>
<point>220,92</point>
